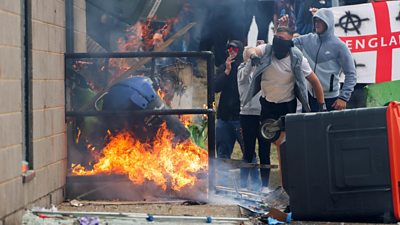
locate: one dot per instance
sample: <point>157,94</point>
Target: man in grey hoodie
<point>250,124</point>
<point>328,57</point>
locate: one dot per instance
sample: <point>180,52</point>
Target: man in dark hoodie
<point>328,57</point>
<point>228,129</point>
<point>228,111</point>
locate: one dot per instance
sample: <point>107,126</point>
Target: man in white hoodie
<point>250,124</point>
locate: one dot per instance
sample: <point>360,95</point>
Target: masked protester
<point>228,129</point>
<point>281,73</point>
<point>281,47</point>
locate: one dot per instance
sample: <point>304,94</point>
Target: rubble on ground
<point>233,207</point>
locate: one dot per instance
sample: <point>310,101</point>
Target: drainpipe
<point>69,26</point>
<point>69,44</point>
<point>26,63</point>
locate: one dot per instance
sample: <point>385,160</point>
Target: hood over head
<point>236,44</point>
<point>326,15</point>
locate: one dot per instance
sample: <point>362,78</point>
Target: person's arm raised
<point>283,21</point>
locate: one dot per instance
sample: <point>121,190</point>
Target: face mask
<point>281,47</point>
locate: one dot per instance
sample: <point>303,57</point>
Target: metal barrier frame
<point>209,111</point>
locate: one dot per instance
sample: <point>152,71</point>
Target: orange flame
<point>161,93</point>
<point>78,136</point>
<point>186,120</point>
<point>139,37</point>
<point>165,163</point>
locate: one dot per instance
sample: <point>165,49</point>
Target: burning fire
<point>186,120</point>
<point>164,162</point>
<point>138,38</point>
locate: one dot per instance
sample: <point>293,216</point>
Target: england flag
<point>372,33</point>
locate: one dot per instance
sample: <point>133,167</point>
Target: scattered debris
<point>76,203</point>
<point>279,215</point>
<point>266,207</point>
<point>192,202</point>
<point>94,218</point>
<point>278,199</point>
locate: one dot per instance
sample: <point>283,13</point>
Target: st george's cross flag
<point>372,33</point>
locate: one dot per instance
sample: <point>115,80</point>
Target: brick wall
<point>48,104</point>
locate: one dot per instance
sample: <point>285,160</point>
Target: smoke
<point>107,20</point>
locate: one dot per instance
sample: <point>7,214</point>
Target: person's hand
<point>313,11</point>
<point>284,20</point>
<point>255,60</point>
<point>339,104</point>
<point>228,65</point>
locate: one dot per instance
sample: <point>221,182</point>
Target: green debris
<point>198,133</point>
